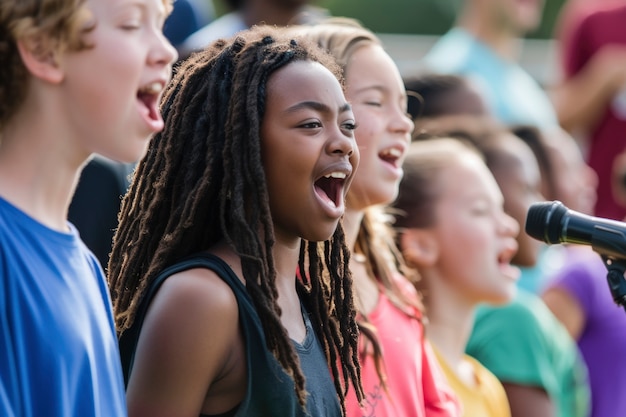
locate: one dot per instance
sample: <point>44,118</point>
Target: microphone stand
<point>615,277</point>
<point>610,244</point>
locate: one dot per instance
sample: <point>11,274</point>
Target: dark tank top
<point>270,391</point>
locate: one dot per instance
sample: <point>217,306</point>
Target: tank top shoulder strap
<point>270,390</point>
<point>128,340</point>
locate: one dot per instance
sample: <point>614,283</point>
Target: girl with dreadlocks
<point>400,376</point>
<point>224,212</point>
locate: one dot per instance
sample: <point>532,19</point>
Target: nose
<point>400,121</point>
<point>341,143</point>
<point>509,226</point>
<point>162,52</point>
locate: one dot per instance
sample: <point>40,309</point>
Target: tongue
<point>320,192</point>
<point>150,106</point>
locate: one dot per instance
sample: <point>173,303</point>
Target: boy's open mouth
<point>149,96</point>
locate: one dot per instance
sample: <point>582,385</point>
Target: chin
<point>127,156</point>
<point>502,299</point>
<point>384,195</point>
<point>320,235</point>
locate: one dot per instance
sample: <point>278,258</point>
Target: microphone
<point>552,222</point>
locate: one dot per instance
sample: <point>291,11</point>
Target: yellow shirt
<point>485,399</point>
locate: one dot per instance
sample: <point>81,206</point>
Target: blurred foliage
<point>427,17</point>
<point>424,17</point>
<point>219,6</point>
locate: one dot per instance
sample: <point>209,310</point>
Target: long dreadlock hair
<point>202,181</point>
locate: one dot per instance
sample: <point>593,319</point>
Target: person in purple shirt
<point>580,297</point>
<point>577,291</point>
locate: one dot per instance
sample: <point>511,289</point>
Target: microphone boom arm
<point>608,242</point>
<point>615,277</point>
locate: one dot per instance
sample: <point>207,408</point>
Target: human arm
<point>189,354</point>
<point>526,400</point>
<point>582,99</point>
<point>566,308</point>
<point>593,67</point>
<point>576,288</point>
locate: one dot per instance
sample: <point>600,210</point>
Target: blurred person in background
<point>96,203</point>
<point>522,342</point>
<point>433,94</point>
<point>187,17</point>
<point>484,44</point>
<point>590,99</point>
<point>243,14</point>
<point>577,290</point>
<point>452,228</point>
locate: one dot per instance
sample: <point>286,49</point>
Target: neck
<point>286,255</point>
<point>351,224</point>
<point>39,167</point>
<point>500,38</point>
<point>285,264</point>
<point>365,286</point>
<point>450,319</point>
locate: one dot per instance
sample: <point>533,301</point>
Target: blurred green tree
<point>426,17</point>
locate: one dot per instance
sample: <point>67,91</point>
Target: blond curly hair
<point>51,26</point>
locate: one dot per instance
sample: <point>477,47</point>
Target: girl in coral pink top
<point>400,376</point>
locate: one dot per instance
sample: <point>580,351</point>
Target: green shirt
<point>523,343</point>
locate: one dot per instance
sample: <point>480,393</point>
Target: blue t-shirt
<point>512,95</point>
<point>58,348</point>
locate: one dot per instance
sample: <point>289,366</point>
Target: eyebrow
<point>142,5</point>
<point>380,88</point>
<point>315,105</point>
<point>377,87</point>
<point>139,4</point>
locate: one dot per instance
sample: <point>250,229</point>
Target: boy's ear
<point>40,58</point>
<point>419,247</point>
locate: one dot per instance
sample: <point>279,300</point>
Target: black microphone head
<point>543,221</point>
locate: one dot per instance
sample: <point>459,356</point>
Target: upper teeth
<point>393,152</point>
<point>340,175</point>
<point>153,88</point>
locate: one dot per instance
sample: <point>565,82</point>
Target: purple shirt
<point>603,339</point>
